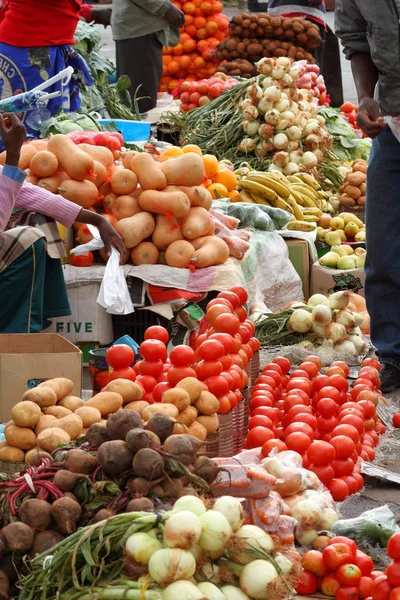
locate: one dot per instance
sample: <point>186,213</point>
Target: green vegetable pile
<point>67,122</point>
<point>346,144</point>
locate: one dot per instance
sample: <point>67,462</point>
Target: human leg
<point>382,266</point>
<point>141,59</point>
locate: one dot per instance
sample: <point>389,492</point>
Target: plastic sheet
<point>375,526</point>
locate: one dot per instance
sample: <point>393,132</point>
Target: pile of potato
<point>48,415</point>
<point>354,188</point>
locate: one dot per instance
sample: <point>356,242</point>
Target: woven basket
<point>11,468</point>
<point>225,445</point>
<point>255,367</point>
<point>238,426</point>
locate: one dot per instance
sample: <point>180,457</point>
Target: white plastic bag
<point>114,293</point>
<point>394,124</point>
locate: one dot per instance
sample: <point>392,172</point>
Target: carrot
<point>230,222</point>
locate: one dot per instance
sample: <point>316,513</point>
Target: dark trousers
<point>327,57</point>
<point>141,59</point>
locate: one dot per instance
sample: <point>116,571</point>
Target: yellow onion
<point>216,531</point>
<point>141,546</point>
<point>250,538</point>
<point>183,590</point>
<point>256,578</point>
<point>231,592</point>
<point>232,509</point>
<point>210,591</point>
<point>171,564</point>
<point>182,530</point>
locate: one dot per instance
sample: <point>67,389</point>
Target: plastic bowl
<point>132,131</point>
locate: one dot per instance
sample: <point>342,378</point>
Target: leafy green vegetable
<point>67,122</point>
<point>346,144</point>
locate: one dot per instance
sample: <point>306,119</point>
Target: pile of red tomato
<point>341,571</point>
<point>331,425</point>
<point>194,57</point>
<point>349,111</point>
<point>220,358</point>
<point>193,94</point>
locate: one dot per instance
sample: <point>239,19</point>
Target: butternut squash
<point>109,202</point>
<point>33,179</point>
<point>84,193</point>
<point>39,144</point>
<point>51,184</point>
<point>124,207</point>
<point>105,189</point>
<point>197,223</point>
<point>134,230</point>
<point>185,170</point>
<point>199,196</point>
<point>99,153</point>
<point>144,253</point>
<point>43,164</point>
<point>148,172</point>
<point>172,204</point>
<point>127,158</point>
<point>75,162</point>
<point>179,254</point>
<point>213,251</point>
<point>166,232</point>
<point>27,153</point>
<point>100,174</point>
<point>123,182</point>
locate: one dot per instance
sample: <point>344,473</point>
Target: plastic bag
<point>394,124</point>
<point>375,526</point>
<point>114,293</point>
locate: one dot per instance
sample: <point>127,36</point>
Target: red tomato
<point>271,445</point>
<point>336,555</point>
<point>303,427</point>
<point>339,490</point>
<point>321,453</point>
<point>182,356</point>
<point>244,334</point>
<point>219,301</point>
<point>125,373</point>
<point>393,546</point>
<point>348,431</point>
<point>395,594</point>
<point>340,539</point>
<point>260,402</point>
<point>344,446</point>
<point>83,260</point>
<point>343,467</point>
<point>372,362</point>
<point>393,573</point>
<point>156,332</point>
<point>300,373</point>
<point>300,393</point>
<point>329,392</point>
<point>153,350</point>
<point>231,297</point>
<point>240,292</point>
<point>297,410</point>
<point>291,401</point>
<point>211,349</point>
<point>159,389</point>
<point>227,323</point>
<point>353,420</point>
<point>330,585</point>
<point>312,561</point>
<point>226,362</point>
<point>342,365</point>
<point>217,385</point>
<point>334,371</point>
<point>324,473</point>
<point>224,405</point>
<point>382,589</point>
<point>327,425</point>
<point>102,378</point>
<point>176,374</point>
<point>208,368</point>
<point>357,389</point>
<point>226,340</point>
<point>351,484</point>
<point>364,563</point>
<point>320,382</point>
<point>148,382</point>
<point>315,359</point>
<point>310,367</point>
<point>273,367</point>
<point>298,442</point>
<point>258,436</point>
<point>120,356</point>
<point>359,479</point>
<point>348,575</point>
<point>306,418</point>
<point>347,593</point>
<point>260,421</point>
<point>299,383</point>
<point>365,587</point>
<point>339,382</point>
<point>284,363</point>
<point>396,420</point>
<point>327,407</point>
<point>306,583</point>
<point>151,367</point>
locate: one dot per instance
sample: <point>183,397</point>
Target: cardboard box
<point>299,256</point>
<point>327,281</point>
<point>27,359</point>
<point>89,321</point>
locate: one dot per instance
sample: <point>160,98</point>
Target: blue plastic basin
<point>132,131</point>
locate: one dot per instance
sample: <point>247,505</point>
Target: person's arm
<point>101,16</point>
<point>351,28</point>
<point>163,8</point>
<point>11,179</point>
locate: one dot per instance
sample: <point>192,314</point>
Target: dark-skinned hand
<point>175,17</point>
<point>13,134</point>
<point>369,117</point>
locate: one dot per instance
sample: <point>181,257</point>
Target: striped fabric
<point>292,8</point>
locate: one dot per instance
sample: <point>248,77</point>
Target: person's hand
<point>369,117</point>
<point>13,134</point>
<point>111,238</point>
<point>175,17</point>
<point>101,16</point>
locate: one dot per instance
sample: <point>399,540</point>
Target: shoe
<point>390,378</point>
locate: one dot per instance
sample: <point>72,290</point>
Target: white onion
<point>190,503</point>
<point>300,321</point>
<point>322,315</point>
<point>287,79</point>
<point>278,72</point>
<point>248,538</point>
<point>328,518</point>
<point>183,590</point>
<point>335,332</point>
<point>264,105</point>
<point>141,546</point>
<point>216,531</point>
<point>208,572</point>
<point>210,591</point>
<point>283,125</point>
<point>307,513</point>
<point>294,146</point>
<point>316,299</point>
<point>267,82</point>
<point>272,117</point>
<point>346,318</point>
<point>358,343</point>
<point>272,93</point>
<point>247,145</point>
<point>250,113</point>
<point>319,331</point>
<point>306,538</point>
<point>346,347</point>
<point>171,564</point>
<point>295,157</point>
<point>309,160</point>
<point>281,141</point>
<point>283,563</point>
<point>251,127</point>
<point>339,300</point>
<point>256,578</point>
<point>233,593</point>
<point>197,553</point>
<point>182,530</point>
<point>273,167</point>
<point>283,104</point>
<point>232,509</point>
<point>264,66</point>
<point>254,92</point>
<point>311,127</point>
<point>358,319</point>
<point>281,158</point>
<point>291,169</point>
<point>294,133</point>
<point>283,61</point>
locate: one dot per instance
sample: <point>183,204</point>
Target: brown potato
<point>20,437</point>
